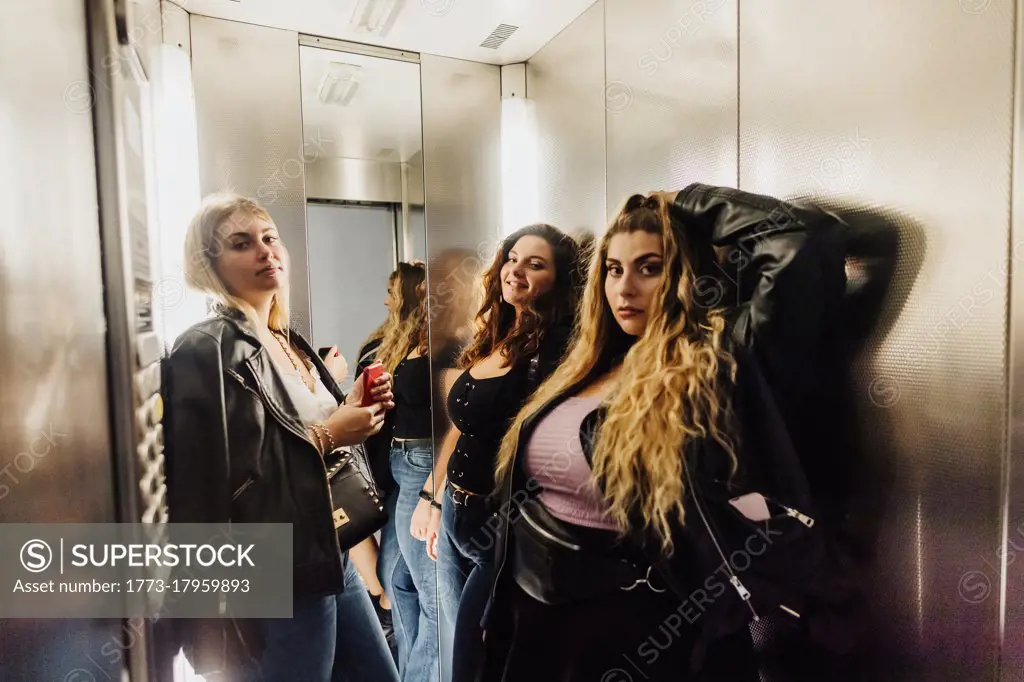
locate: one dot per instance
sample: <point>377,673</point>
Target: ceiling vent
<point>499,36</point>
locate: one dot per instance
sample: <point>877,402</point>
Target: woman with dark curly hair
<point>530,292</point>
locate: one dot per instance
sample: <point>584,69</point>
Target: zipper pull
<point>744,595</point>
<point>802,518</point>
<point>740,587</point>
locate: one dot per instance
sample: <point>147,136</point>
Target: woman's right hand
<point>351,424</point>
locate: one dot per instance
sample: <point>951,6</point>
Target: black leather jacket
<point>789,277</point>
<point>236,449</point>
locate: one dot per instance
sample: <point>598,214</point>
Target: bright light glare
<point>177,188</point>
<point>519,194</point>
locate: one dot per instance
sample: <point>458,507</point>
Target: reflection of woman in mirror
<point>387,344</point>
<point>406,572</point>
<point>251,412</point>
<point>523,326</point>
<point>609,564</point>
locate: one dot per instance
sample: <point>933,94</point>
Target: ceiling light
<point>375,16</point>
<point>339,84</point>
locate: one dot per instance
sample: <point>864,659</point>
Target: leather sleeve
<point>787,266</point>
<point>196,431</point>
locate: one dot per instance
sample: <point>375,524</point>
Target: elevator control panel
<point>149,410</point>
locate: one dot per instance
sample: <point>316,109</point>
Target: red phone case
<point>370,375</point>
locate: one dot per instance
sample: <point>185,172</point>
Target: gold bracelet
<point>316,437</point>
<point>326,433</point>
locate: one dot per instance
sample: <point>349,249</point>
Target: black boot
<point>386,622</point>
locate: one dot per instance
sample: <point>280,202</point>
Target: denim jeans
<point>335,638</point>
<point>465,565</point>
<point>410,573</point>
<point>395,578</point>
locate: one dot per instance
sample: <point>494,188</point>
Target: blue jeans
<point>410,573</point>
<point>465,565</point>
<point>336,638</point>
<point>395,578</point>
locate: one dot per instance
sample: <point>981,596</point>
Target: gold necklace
<point>284,347</point>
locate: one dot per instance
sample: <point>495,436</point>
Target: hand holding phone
<point>370,376</point>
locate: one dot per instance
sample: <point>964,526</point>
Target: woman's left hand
<point>380,391</point>
<point>420,521</point>
<point>433,532</point>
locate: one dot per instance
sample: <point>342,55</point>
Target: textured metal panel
<point>461,152</point>
<point>249,113</point>
<point>565,80</point>
<point>354,180</point>
<point>55,443</point>
<point>1012,559</point>
<point>670,94</point>
<point>902,112</point>
<point>462,199</point>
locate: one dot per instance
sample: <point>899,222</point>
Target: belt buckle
<point>646,580</point>
<point>460,497</point>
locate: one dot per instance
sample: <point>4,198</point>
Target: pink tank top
<point>555,459</point>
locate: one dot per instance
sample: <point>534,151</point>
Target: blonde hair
<point>204,244</point>
<point>406,326</point>
<point>670,393</point>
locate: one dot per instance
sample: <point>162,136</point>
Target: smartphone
<point>370,375</point>
<point>323,352</point>
<point>753,506</point>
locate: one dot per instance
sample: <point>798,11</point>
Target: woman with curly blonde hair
<point>643,486</point>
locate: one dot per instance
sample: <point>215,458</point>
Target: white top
<point>312,407</point>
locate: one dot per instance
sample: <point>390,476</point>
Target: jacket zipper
<point>241,489</point>
<point>265,398</point>
<point>794,513</point>
<point>734,579</point>
<point>543,531</point>
<point>789,511</point>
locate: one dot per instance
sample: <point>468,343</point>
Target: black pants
<point>635,636</point>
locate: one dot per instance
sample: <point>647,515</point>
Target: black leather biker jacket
<point>236,449</point>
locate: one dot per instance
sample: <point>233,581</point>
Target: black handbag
<point>558,563</point>
<point>358,504</point>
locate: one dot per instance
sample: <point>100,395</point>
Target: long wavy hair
<point>496,324</point>
<point>405,328</point>
<point>670,392</point>
<point>204,243</point>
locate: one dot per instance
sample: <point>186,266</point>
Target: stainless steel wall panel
<point>354,180</point>
<point>670,95</point>
<point>55,442</point>
<point>461,152</point>
<point>249,115</point>
<point>1011,559</point>
<point>461,105</point>
<point>904,112</point>
<point>565,81</point>
<point>461,186</point>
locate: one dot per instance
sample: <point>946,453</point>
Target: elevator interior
<point>118,115</point>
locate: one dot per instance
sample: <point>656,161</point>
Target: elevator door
<point>351,254</point>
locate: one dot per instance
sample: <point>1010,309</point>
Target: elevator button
<point>156,412</point>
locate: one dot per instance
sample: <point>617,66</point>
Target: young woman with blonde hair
<point>251,411</point>
<point>639,488</point>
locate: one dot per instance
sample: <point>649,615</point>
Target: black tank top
<point>482,409</point>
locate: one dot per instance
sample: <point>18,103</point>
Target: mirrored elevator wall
<point>897,117</point>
